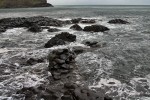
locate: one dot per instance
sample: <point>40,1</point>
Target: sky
<point>99,2</point>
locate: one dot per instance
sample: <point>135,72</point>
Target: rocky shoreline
<point>62,65</point>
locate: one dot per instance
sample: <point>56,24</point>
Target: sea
<point>121,68</point>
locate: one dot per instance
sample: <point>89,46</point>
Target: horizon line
<point>100,5</point>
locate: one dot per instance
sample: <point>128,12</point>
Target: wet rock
<point>118,21</point>
<point>30,21</point>
<point>54,42</point>
<point>35,28</point>
<point>107,98</point>
<point>78,49</point>
<point>88,21</point>
<point>94,43</point>
<point>33,61</point>
<point>76,20</point>
<point>66,37</point>
<point>61,62</point>
<point>76,27</point>
<point>2,29</point>
<point>60,39</point>
<point>82,93</point>
<point>95,28</point>
<point>53,30</point>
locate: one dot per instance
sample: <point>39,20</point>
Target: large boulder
<point>66,37</point>
<point>60,39</point>
<point>95,28</point>
<point>76,27</point>
<point>55,41</point>
<point>35,28</point>
<point>118,21</point>
<point>61,62</point>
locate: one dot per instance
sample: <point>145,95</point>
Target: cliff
<point>23,3</point>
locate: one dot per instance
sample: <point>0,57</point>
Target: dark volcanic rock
<point>95,28</point>
<point>118,21</point>
<point>68,91</point>
<point>35,28</point>
<point>53,30</point>
<point>88,21</point>
<point>60,39</point>
<point>76,27</point>
<point>54,42</point>
<point>61,62</point>
<point>94,43</point>
<point>32,61</point>
<point>67,37</point>
<point>2,29</point>
<point>76,20</point>
<point>30,21</point>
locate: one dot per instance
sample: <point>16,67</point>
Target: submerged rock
<point>53,30</point>
<point>94,43</point>
<point>76,27</point>
<point>88,21</point>
<point>35,28</point>
<point>60,39</point>
<point>61,62</point>
<point>118,21</point>
<point>95,28</point>
<point>76,20</point>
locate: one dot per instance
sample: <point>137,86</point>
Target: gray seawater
<point>121,68</point>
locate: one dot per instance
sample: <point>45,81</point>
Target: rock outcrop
<point>60,39</point>
<point>118,21</point>
<point>95,28</point>
<point>23,3</point>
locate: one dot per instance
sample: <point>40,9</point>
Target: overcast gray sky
<point>99,2</point>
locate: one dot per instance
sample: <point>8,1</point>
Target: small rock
<point>53,30</point>
<point>88,21</point>
<point>76,27</point>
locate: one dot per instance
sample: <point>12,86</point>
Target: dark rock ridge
<point>60,39</point>
<point>35,28</point>
<point>76,27</point>
<point>95,28</point>
<point>118,21</point>
<point>61,62</point>
<point>7,23</point>
<point>85,21</point>
<point>88,21</point>
<point>24,3</point>
<point>53,30</point>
